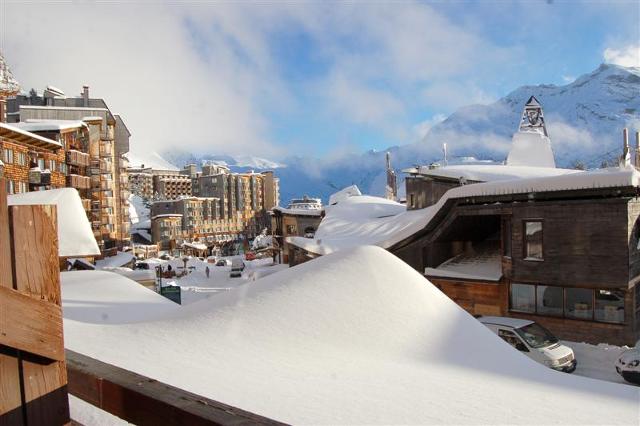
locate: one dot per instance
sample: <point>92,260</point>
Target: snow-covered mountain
<point>584,119</point>
<point>237,162</point>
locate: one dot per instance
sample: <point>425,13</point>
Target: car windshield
<point>536,335</point>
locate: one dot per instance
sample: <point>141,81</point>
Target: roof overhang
<point>14,134</point>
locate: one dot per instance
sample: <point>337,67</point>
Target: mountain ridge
<point>584,118</point>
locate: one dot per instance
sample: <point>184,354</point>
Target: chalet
<point>300,218</point>
<point>561,247</point>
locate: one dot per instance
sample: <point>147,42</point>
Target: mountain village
<point>470,291</point>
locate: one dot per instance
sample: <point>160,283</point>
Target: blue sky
<point>315,78</point>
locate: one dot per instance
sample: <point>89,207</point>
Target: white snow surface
<point>480,268</point>
<point>343,194</point>
<point>355,338</point>
<point>75,237</point>
<point>363,220</point>
<point>35,125</point>
<point>120,259</point>
<point>531,149</point>
<point>492,172</point>
<point>103,297</point>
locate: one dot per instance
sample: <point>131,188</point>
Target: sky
<point>282,78</point>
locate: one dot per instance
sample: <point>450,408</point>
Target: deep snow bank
<point>353,337</point>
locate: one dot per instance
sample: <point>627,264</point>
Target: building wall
<point>585,243</point>
<point>476,297</point>
<point>424,191</point>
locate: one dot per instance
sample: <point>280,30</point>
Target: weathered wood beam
<point>144,401</point>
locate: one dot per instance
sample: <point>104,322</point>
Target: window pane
<point>523,298</point>
<point>609,306</point>
<point>533,240</point>
<point>579,303</point>
<point>549,300</point>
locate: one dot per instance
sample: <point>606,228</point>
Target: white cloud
<point>421,129</point>
<point>143,61</point>
<point>568,79</point>
<point>628,56</point>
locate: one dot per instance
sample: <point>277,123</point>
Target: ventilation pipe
<point>85,96</point>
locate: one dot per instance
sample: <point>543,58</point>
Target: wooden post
<point>31,317</point>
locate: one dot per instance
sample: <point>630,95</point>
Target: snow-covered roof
<point>103,297</point>
<point>34,125</point>
<point>120,259</point>
<point>361,220</point>
<point>159,216</point>
<point>11,132</point>
<point>378,344</point>
<point>343,194</point>
<point>299,212</point>
<point>482,267</point>
<point>490,172</point>
<point>197,246</point>
<point>75,237</point>
<point>531,149</point>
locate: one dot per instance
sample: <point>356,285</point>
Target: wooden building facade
<point>569,260</point>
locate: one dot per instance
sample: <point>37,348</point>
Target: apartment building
<point>244,197</point>
<point>108,141</point>
<point>171,186</point>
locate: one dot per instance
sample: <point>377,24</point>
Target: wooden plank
<point>35,242</point>
<point>35,246</point>
<point>10,400</point>
<point>6,273</point>
<point>144,401</point>
<point>46,397</point>
<point>31,325</point>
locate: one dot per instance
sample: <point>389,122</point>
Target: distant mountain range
<point>584,119</point>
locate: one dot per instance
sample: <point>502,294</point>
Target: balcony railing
<point>77,158</point>
<point>78,182</point>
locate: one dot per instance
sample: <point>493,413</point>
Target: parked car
<point>237,266</point>
<point>534,341</point>
<point>222,262</point>
<point>628,364</point>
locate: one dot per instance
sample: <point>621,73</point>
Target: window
<point>549,300</point>
<point>506,237</point>
<point>523,298</point>
<point>533,240</point>
<point>10,186</point>
<point>291,229</point>
<point>21,158</point>
<point>8,156</point>
<point>579,303</point>
<point>52,165</point>
<point>512,339</point>
<point>609,306</point>
<point>41,163</point>
<point>412,200</point>
<point>536,335</point>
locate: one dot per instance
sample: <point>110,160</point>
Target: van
<point>237,266</point>
<point>534,341</point>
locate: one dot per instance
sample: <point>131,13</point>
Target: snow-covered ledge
<point>75,237</point>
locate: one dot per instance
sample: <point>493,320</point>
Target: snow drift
<point>355,337</point>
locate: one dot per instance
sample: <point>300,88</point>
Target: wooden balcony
<point>78,182</point>
<point>77,158</point>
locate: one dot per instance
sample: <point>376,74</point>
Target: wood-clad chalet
<point>30,161</point>
<point>563,250</point>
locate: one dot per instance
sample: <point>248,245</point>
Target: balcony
<point>77,158</point>
<point>78,182</point>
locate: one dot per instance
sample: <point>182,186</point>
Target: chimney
<point>625,159</point>
<point>85,96</point>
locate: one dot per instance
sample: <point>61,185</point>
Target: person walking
<point>206,271</point>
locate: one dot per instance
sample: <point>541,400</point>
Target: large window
<point>533,240</point>
<point>579,303</point>
<point>609,306</point>
<point>523,298</point>
<point>575,303</point>
<point>549,300</point>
